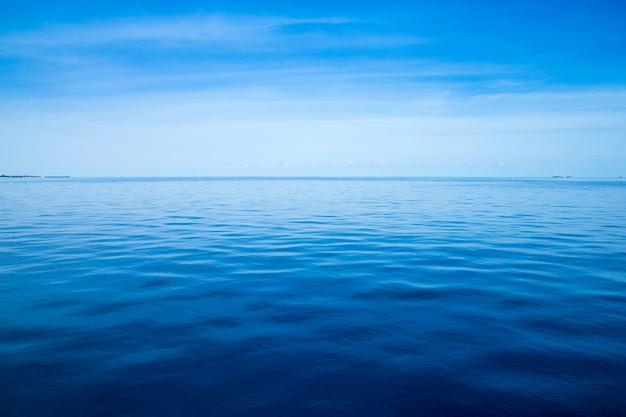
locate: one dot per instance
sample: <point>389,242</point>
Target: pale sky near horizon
<point>417,88</point>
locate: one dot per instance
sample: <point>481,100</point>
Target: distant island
<point>34,176</point>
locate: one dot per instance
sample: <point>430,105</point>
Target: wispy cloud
<point>294,76</point>
<point>207,30</point>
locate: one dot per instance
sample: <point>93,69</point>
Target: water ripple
<point>312,297</point>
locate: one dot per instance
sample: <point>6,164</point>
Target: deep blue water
<point>312,297</point>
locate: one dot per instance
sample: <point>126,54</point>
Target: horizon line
<point>27,176</point>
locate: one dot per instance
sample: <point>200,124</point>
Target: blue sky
<point>447,88</point>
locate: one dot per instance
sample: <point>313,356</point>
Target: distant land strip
<point>34,176</point>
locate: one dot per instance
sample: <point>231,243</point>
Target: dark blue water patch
<point>557,364</point>
<point>260,381</point>
<point>157,283</point>
<point>318,297</point>
<point>282,312</point>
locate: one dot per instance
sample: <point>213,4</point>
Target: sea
<point>312,297</point>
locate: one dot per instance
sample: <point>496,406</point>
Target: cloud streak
<point>211,30</point>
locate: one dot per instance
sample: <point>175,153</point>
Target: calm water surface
<point>312,297</point>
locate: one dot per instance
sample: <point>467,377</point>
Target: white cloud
<point>201,31</point>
